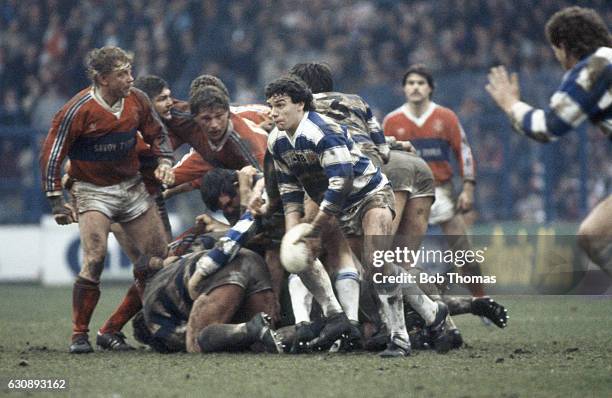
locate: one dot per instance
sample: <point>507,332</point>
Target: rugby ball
<point>294,253</point>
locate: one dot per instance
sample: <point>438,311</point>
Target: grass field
<point>553,346</point>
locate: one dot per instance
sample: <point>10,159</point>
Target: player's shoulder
<point>318,125</point>
<point>444,112</point>
<point>139,95</point>
<point>394,114</point>
<point>77,101</point>
<point>246,127</point>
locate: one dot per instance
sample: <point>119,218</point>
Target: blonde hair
<point>106,60</point>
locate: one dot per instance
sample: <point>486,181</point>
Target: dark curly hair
<point>316,75</point>
<point>294,88</point>
<point>215,183</point>
<point>152,85</point>
<point>580,31</point>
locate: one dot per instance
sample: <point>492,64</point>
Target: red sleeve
<point>191,167</point>
<point>64,130</point>
<point>461,147</point>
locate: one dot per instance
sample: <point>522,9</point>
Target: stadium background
<point>554,346</point>
<point>368,44</point>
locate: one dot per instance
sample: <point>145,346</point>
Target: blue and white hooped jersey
<point>323,161</point>
<point>585,93</point>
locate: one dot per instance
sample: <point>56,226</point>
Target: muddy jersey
<point>585,93</point>
<point>322,160</point>
<point>352,111</point>
<point>167,305</point>
<point>100,141</point>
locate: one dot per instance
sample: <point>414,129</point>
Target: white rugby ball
<point>294,253</point>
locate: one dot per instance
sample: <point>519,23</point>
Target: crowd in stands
<point>368,44</point>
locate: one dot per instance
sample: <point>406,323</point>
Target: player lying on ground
<point>218,319</point>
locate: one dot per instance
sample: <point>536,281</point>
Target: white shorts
<point>443,209</point>
<point>121,202</point>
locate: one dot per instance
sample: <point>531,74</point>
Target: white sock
<point>419,301</point>
<point>301,299</point>
<point>392,313</point>
<point>347,288</point>
<point>317,281</point>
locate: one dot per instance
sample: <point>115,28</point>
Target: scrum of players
<point>221,289</point>
<point>312,162</point>
<point>224,288</point>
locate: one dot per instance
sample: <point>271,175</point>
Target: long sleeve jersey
<point>322,160</point>
<point>100,141</point>
<point>352,111</point>
<point>584,93</point>
<point>434,134</point>
<point>243,144</point>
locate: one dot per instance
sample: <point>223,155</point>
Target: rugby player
<point>217,319</point>
<point>582,44</point>
<point>244,147</point>
<point>410,177</point>
<point>434,131</point>
<point>314,155</point>
<point>97,131</point>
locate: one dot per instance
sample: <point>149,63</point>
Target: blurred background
<point>368,44</point>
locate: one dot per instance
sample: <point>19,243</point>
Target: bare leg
<point>413,224</point>
<point>219,306</point>
<point>595,235</point>
<point>458,239</point>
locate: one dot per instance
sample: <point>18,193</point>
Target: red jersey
<point>256,113</point>
<point>244,144</point>
<point>434,135</point>
<point>100,142</point>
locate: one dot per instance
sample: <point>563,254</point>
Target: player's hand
<point>63,213</point>
<point>164,173</point>
<point>192,285</point>
<point>504,89</point>
<point>313,241</point>
<point>407,146</point>
<point>257,205</point>
<point>465,201</point>
<point>209,224</point>
<point>247,172</point>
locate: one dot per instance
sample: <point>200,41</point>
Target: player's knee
<point>585,236</point>
<point>93,264</point>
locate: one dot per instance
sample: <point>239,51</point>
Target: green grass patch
<point>553,346</point>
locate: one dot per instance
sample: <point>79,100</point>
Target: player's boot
<point>336,327</point>
<point>490,309</point>
<point>456,340</point>
<point>113,342</point>
<point>419,339</point>
<point>303,335</point>
<point>81,345</point>
<point>259,326</point>
<point>396,348</point>
<point>438,330</point>
<point>353,341</point>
